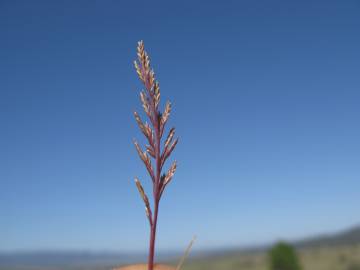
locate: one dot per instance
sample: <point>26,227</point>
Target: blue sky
<point>265,101</point>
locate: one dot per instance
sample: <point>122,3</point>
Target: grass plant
<point>157,150</point>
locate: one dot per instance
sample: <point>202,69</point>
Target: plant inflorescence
<point>157,149</point>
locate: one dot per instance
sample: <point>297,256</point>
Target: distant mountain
<point>65,260</point>
<point>73,260</point>
<point>343,238</point>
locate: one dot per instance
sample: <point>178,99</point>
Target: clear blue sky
<point>266,104</point>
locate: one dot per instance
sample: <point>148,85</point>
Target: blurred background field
<point>321,258</point>
<point>339,251</point>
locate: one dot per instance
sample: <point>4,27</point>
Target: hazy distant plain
<point>321,258</point>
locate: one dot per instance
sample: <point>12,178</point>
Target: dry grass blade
<point>186,254</point>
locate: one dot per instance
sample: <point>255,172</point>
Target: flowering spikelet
<point>138,71</point>
<point>145,73</point>
<point>168,150</point>
<point>150,150</point>
<point>166,178</point>
<point>144,197</point>
<point>142,192</point>
<point>165,117</point>
<point>141,124</point>
<point>169,137</point>
<point>145,128</point>
<point>143,56</point>
<point>169,175</point>
<point>145,103</point>
<point>166,113</point>
<point>146,159</point>
<point>157,94</point>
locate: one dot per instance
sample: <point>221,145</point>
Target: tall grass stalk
<point>156,149</point>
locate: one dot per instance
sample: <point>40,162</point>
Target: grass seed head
<point>150,99</point>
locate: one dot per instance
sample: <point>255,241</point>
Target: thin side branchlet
<point>153,131</point>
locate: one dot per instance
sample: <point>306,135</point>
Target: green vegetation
<point>355,266</point>
<point>283,257</point>
<point>319,258</point>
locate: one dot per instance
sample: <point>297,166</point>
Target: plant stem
<point>156,188</point>
<point>152,238</point>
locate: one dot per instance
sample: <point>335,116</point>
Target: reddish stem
<point>157,184</point>
<point>152,239</point>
